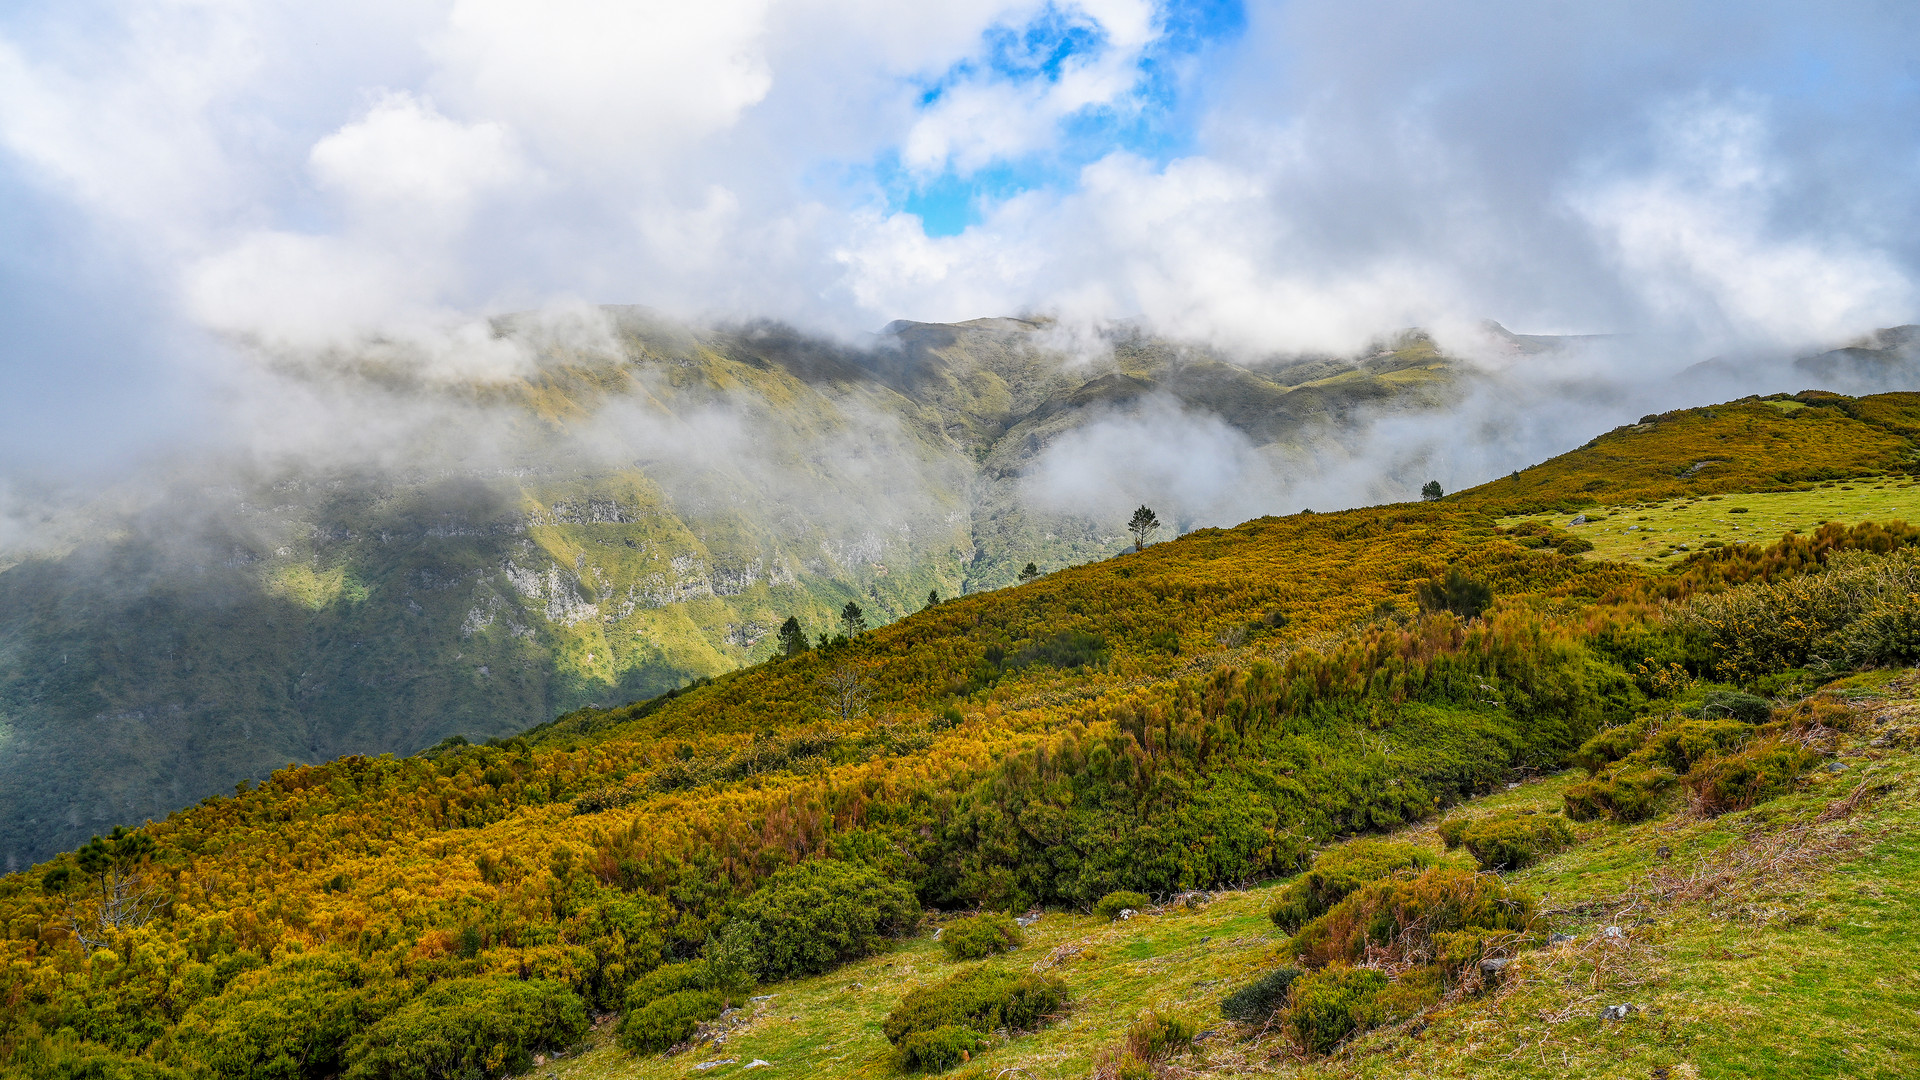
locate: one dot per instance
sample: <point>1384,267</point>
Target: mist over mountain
<point>603,504</point>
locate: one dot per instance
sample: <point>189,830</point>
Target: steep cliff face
<point>626,516</point>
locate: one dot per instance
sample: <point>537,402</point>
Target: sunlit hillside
<point>1223,709</point>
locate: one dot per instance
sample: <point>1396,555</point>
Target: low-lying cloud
<point>206,197</point>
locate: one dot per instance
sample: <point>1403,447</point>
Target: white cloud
<point>1696,237</point>
<point>607,83</point>
<point>405,165</point>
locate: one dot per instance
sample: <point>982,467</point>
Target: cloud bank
<point>191,192</point>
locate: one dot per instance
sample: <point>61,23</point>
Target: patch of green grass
<point>1666,531</point>
<point>1183,962</point>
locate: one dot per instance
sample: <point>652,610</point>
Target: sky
<point>190,189</point>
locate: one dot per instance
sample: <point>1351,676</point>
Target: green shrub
<point>1681,746</point>
<point>938,1050</point>
<point>1608,747</point>
<point>288,1021</point>
<point>1112,904</point>
<point>1157,1037</point>
<point>1067,649</point>
<point>979,999</point>
<point>1513,841</point>
<point>1574,545</point>
<point>1404,914</point>
<point>468,1028</point>
<point>1338,871</point>
<point>810,918</point>
<point>1630,791</point>
<point>1754,775</point>
<point>1745,708</point>
<point>1334,1003</point>
<point>1261,998</point>
<point>980,936</point>
<point>1457,592</point>
<point>65,1056</point>
<point>1888,633</point>
<point>699,974</point>
<point>667,1020</point>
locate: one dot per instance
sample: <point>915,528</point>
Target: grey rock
<point>705,1065</point>
<point>762,997</point>
<point>1613,932</point>
<point>1616,1012</point>
<point>1580,519</point>
<point>1126,913</point>
<point>1491,968</point>
<point>1836,766</point>
<point>1559,939</point>
<point>758,1063</point>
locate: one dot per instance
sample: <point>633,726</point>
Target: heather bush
<point>980,936</point>
<point>810,918</point>
<point>1756,774</point>
<point>1112,904</point>
<point>1334,1003</point>
<point>981,1000</point>
<point>1630,791</point>
<point>1513,841</point>
<point>1403,915</point>
<point>938,1050</point>
<point>1337,872</point>
<point>667,1020</point>
<point>1261,998</point>
<point>469,1028</point>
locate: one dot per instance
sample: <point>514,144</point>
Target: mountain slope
<point>636,507</point>
<point>1205,712</point>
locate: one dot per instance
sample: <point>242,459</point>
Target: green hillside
<point>618,522</point>
<point>1699,771</point>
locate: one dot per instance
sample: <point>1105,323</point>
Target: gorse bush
<point>980,936</point>
<point>468,1028</point>
<point>1772,625</point>
<point>1337,872</point>
<point>810,918</point>
<point>1112,904</point>
<point>1258,1000</point>
<point>1334,1003</point>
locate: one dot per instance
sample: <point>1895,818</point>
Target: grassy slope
<point>1805,971</point>
<point>1663,532</point>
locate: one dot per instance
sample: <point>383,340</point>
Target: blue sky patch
<point>1151,121</point>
